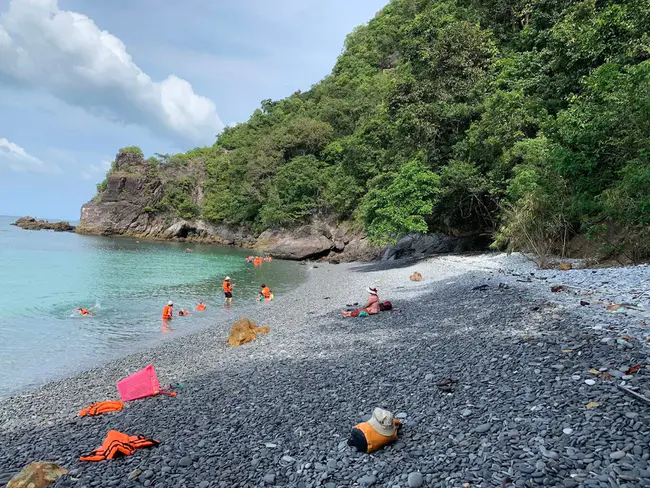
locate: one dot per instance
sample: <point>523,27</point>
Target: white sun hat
<point>382,421</point>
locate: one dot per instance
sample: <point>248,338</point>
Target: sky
<point>80,79</point>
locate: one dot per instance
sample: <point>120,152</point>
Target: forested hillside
<point>525,119</point>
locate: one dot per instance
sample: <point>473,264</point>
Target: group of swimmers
<point>258,260</point>
<point>168,311</point>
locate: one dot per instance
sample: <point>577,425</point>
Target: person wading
<point>227,290</point>
<point>168,311</point>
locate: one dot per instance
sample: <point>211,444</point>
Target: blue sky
<point>81,78</point>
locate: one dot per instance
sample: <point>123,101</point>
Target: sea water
<point>45,276</point>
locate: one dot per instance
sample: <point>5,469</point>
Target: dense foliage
<point>526,119</point>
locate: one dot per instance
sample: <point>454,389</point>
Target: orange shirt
<point>168,312</point>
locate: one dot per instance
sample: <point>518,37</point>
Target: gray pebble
<point>269,478</point>
<point>483,428</point>
<point>415,480</point>
<point>617,455</point>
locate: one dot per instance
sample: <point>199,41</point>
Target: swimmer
<point>182,312</point>
<point>265,293</point>
<point>200,307</point>
<point>83,311</point>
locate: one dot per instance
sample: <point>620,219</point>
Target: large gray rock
<point>420,245</point>
<point>30,223</point>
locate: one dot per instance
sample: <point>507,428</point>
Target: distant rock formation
<point>30,223</point>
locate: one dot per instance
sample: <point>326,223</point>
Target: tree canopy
<point>455,116</point>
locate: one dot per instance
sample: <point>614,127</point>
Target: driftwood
<point>634,394</point>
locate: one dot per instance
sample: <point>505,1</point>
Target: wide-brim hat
<point>372,291</point>
<point>227,278</point>
<point>383,422</point>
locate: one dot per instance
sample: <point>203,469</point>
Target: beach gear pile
<point>380,430</point>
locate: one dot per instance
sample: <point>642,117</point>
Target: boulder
<point>420,245</point>
<point>416,276</point>
<point>298,248</point>
<point>565,266</point>
<point>244,331</point>
<point>30,223</point>
<point>37,475</point>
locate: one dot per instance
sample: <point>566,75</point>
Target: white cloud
<point>96,170</point>
<point>15,158</point>
<point>66,54</point>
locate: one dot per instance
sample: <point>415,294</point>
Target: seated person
<point>371,307</point>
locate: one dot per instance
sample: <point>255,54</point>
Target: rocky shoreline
<point>526,411</point>
<point>30,223</point>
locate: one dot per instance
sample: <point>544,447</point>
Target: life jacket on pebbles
<point>376,433</point>
<point>118,444</point>
<point>101,408</point>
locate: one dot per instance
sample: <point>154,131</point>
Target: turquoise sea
<point>45,275</point>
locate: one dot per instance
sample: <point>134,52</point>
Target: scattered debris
<point>634,369</point>
<point>447,385</point>
<point>584,303</point>
<point>594,371</point>
<point>565,266</point>
<point>636,395</point>
<point>503,286</point>
<point>558,288</point>
<point>480,288</point>
<point>592,405</point>
<point>568,350</point>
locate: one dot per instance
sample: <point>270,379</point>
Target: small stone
<point>134,474</point>
<point>270,445</point>
<point>147,474</point>
<point>415,480</point>
<point>343,445</point>
<point>367,480</point>
<point>616,373</point>
<point>617,455</point>
<point>575,377</point>
<point>590,382</point>
<point>288,459</point>
<point>482,428</point>
<point>631,415</point>
<point>627,377</point>
<point>331,464</point>
<point>428,377</point>
<point>204,484</point>
<point>466,413</point>
<point>269,479</point>
<point>567,430</point>
<point>185,462</point>
<point>401,415</point>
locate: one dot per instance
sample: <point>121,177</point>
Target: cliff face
<point>132,203</point>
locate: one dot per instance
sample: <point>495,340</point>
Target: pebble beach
<point>538,398</point>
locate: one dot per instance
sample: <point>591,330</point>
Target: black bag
<point>383,307</point>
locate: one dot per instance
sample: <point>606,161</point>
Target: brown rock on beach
<point>244,331</point>
<point>37,475</point>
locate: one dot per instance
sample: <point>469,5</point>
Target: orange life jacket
<point>266,292</point>
<point>227,287</point>
<point>101,407</point>
<point>183,312</point>
<point>168,312</point>
<point>374,439</point>
<point>118,444</point>
<point>83,311</point>
<point>200,307</point>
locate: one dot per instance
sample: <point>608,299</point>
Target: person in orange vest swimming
<point>182,312</point>
<point>83,311</point>
<point>258,261</point>
<point>200,307</point>
<point>265,293</point>
<point>227,290</point>
<point>168,311</point>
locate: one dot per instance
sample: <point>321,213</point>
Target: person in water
<point>227,290</point>
<point>168,311</point>
<point>265,293</point>
<point>200,307</point>
<point>182,312</point>
<point>371,307</point>
<point>83,311</point>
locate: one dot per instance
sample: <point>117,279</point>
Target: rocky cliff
<point>131,202</point>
